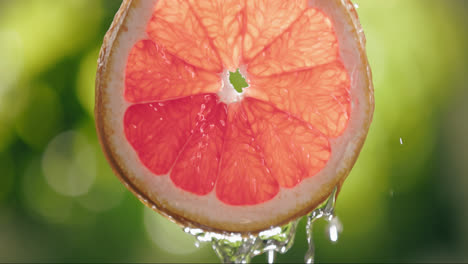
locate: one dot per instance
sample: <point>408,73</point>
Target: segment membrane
<point>264,149</point>
<point>223,21</point>
<point>309,42</point>
<point>266,20</point>
<point>243,177</point>
<point>158,132</point>
<point>319,96</point>
<point>292,150</point>
<point>153,74</point>
<point>196,169</point>
<point>176,27</point>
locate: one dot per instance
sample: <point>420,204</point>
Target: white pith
<point>161,189</point>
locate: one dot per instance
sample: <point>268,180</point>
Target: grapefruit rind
<point>207,212</point>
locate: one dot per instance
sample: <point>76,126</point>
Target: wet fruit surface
<point>276,136</point>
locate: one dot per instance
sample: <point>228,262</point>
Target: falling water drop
<point>271,256</point>
<point>333,233</point>
<point>334,228</point>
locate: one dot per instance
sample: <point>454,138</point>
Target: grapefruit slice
<point>210,155</point>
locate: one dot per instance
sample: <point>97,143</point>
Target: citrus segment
<point>266,20</point>
<point>319,96</point>
<point>154,74</point>
<point>309,42</point>
<point>291,148</point>
<point>223,21</point>
<point>175,26</point>
<point>196,169</point>
<point>158,132</point>
<point>244,178</point>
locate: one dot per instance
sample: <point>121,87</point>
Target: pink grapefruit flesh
<point>186,149</point>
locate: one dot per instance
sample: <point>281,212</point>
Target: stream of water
<point>235,248</point>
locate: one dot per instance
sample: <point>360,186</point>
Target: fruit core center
<point>233,87</point>
<point>238,81</point>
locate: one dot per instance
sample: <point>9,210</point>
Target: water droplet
<point>197,243</point>
<point>401,141</point>
<point>161,104</point>
<point>271,256</point>
<point>334,229</point>
<point>333,232</point>
<point>190,70</point>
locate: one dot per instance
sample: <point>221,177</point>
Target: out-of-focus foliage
<point>405,200</point>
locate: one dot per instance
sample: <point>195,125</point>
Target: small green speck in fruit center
<point>238,81</point>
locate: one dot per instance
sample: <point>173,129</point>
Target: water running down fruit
<point>233,157</point>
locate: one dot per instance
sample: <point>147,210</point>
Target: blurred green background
<point>405,201</point>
